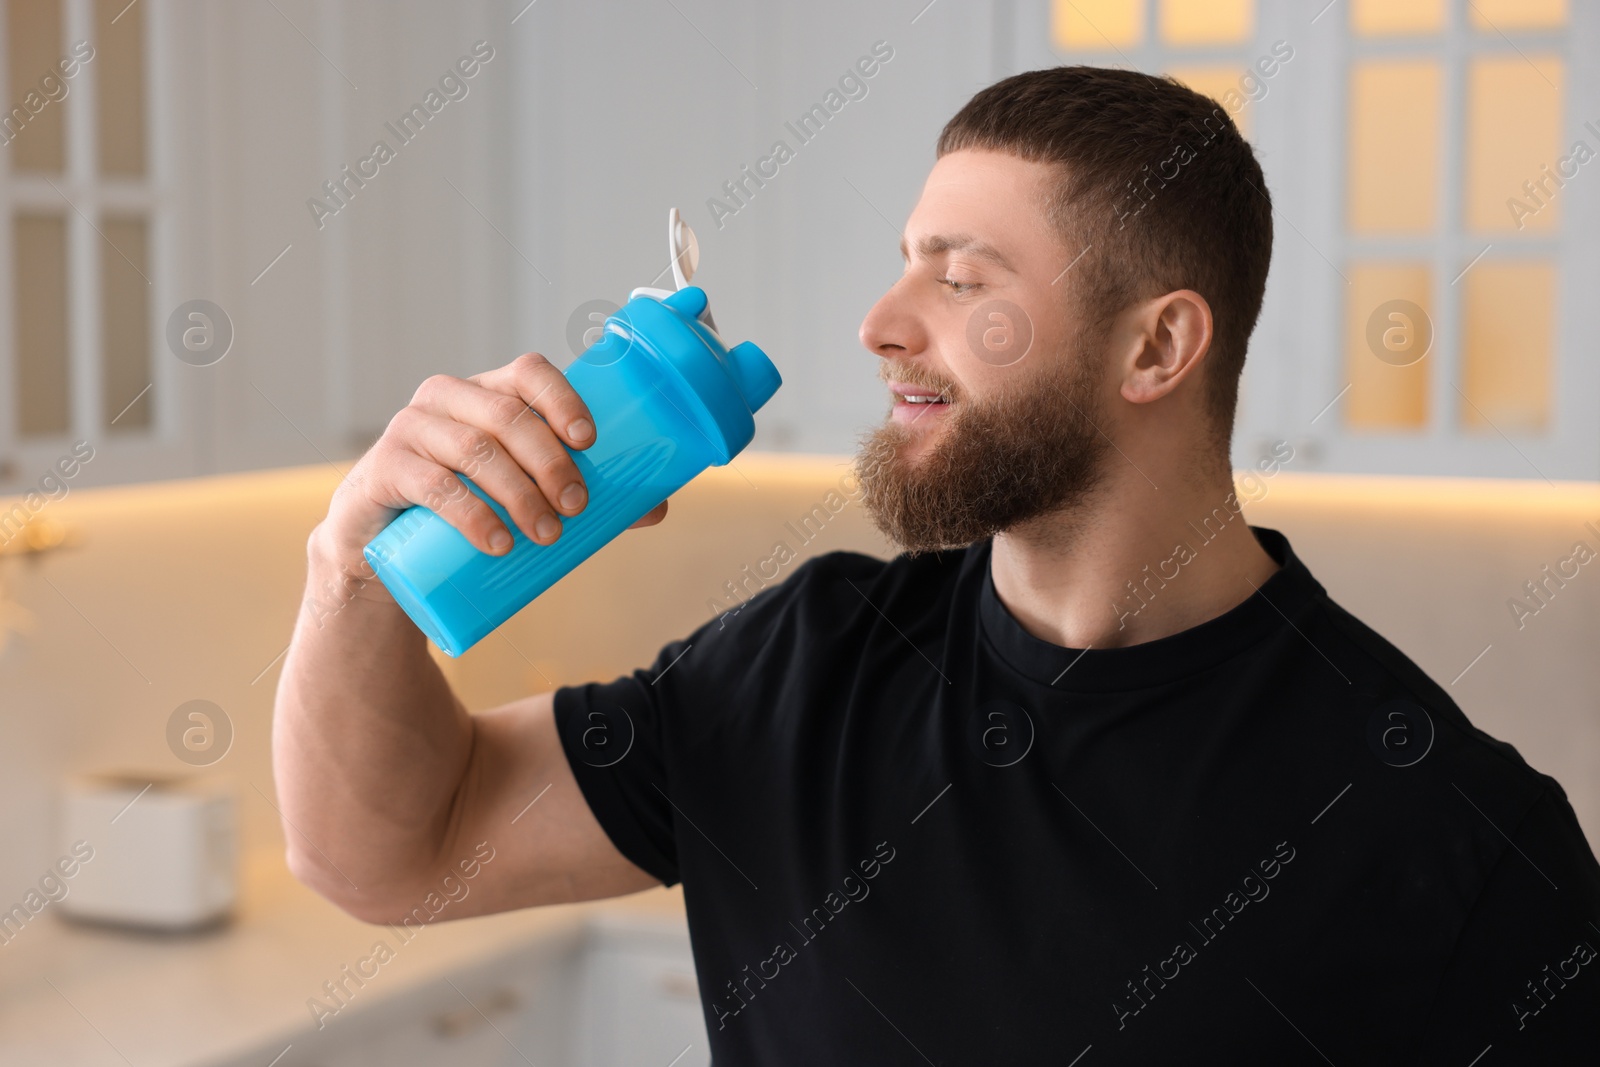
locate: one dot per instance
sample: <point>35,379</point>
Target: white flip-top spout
<point>684,248</point>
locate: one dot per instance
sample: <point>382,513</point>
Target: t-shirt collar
<point>1277,602</point>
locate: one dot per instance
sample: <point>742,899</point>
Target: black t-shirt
<point>910,832</point>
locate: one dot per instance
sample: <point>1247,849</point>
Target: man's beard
<point>1032,450</point>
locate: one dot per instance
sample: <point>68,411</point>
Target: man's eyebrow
<point>935,244</point>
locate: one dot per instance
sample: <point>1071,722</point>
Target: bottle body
<point>655,429</point>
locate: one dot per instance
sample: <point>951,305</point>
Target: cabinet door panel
<point>641,1004</point>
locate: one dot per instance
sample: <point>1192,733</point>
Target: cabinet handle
<point>469,1017</point>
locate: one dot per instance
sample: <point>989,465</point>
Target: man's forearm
<point>370,744</point>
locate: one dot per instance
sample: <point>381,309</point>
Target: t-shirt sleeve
<point>625,739</point>
<point>1524,977</point>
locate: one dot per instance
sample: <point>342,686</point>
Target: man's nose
<point>891,327</point>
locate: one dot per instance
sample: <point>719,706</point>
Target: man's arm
<point>384,781</point>
<point>1524,974</point>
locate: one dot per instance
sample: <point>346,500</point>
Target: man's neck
<point>1131,563</point>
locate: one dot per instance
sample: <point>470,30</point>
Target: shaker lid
<point>699,361</point>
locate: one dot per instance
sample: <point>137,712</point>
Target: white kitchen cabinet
<point>614,991</point>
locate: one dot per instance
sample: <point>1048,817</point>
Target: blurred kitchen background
<point>216,292</point>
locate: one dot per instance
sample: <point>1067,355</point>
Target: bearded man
<point>1091,772</point>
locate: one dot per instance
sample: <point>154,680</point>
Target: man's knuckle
<point>505,410</point>
<point>398,423</point>
<point>560,461</point>
<point>471,441</point>
<point>480,515</point>
<point>532,502</point>
<point>432,386</point>
<point>440,486</point>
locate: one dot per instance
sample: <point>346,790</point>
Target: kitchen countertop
<point>73,994</point>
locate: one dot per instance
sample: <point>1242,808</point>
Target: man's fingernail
<point>499,540</point>
<point>547,527</point>
<point>580,429</point>
<point>572,496</point>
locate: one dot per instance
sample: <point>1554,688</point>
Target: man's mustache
<point>909,374</point>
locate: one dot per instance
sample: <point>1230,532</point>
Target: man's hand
<point>382,774</point>
<point>504,429</point>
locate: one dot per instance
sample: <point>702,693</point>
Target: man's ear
<point>1168,338</point>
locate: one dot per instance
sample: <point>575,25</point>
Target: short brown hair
<point>1158,179</point>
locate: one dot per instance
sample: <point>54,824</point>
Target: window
<point>1454,175</point>
<point>1203,43</point>
<point>77,227</point>
<point>1425,157</point>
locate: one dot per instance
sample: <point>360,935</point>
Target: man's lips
<point>914,402</point>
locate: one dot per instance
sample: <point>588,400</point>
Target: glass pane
<point>1222,84</point>
<point>1377,18</point>
<point>1388,335</point>
<point>1514,157</point>
<point>32,127</point>
<point>119,71</point>
<point>43,397</point>
<point>126,361</point>
<point>1192,22</point>
<point>1495,15</point>
<point>1394,146</point>
<point>1096,25</point>
<point>1508,326</point>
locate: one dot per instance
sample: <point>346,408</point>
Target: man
<point>1092,772</point>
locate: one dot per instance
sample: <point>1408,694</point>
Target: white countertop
<point>82,996</point>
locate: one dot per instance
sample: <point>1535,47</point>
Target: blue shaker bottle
<point>668,400</point>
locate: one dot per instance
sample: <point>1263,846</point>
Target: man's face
<point>983,324</point>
